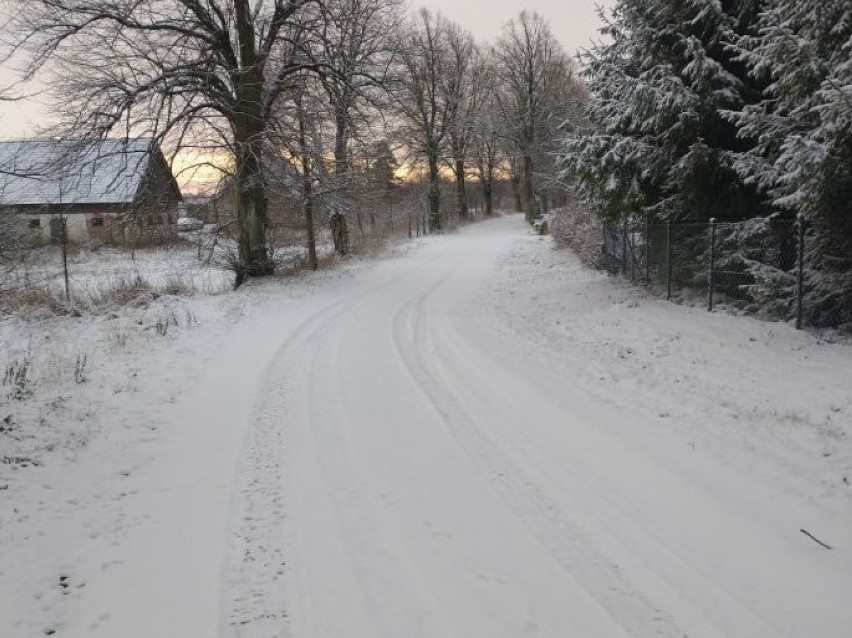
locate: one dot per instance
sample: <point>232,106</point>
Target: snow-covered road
<point>414,471</point>
<point>475,438</point>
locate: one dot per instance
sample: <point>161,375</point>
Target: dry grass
<point>105,295</point>
<point>35,300</point>
<point>377,245</point>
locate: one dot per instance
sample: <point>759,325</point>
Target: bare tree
<point>487,136</point>
<point>306,161</point>
<point>357,45</point>
<point>464,92</point>
<point>422,101</point>
<point>536,78</point>
<point>197,72</point>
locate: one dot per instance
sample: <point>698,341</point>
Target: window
<point>97,221</point>
<point>35,223</point>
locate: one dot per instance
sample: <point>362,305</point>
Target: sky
<point>574,22</point>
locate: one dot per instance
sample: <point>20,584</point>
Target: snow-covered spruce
<point>801,53</point>
<point>658,142</point>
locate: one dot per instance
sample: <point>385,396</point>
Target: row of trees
<point>339,90</point>
<point>732,110</point>
<point>498,109</point>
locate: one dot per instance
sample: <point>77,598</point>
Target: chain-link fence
<point>780,268</point>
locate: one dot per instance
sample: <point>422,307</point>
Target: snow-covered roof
<point>40,172</point>
<point>280,178</point>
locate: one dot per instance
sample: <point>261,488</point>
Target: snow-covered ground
<point>473,436</point>
<point>196,264</point>
<point>92,273</point>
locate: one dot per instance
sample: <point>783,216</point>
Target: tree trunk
<point>459,171</point>
<point>307,190</point>
<point>488,190</point>
<point>313,262</point>
<point>340,227</point>
<point>249,128</point>
<point>516,190</point>
<point>340,233</point>
<point>434,194</point>
<point>359,220</point>
<point>341,147</point>
<point>461,190</point>
<point>529,201</point>
<point>254,258</point>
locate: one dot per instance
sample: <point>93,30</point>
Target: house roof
<point>281,175</point>
<point>41,172</point>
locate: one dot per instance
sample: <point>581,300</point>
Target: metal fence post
<point>800,269</point>
<point>624,248</point>
<point>710,273</point>
<point>668,260</point>
<point>647,250</point>
<point>633,253</point>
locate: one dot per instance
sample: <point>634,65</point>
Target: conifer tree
<point>658,139</point>
<point>802,160</point>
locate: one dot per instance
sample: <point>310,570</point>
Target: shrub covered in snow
<point>578,228</point>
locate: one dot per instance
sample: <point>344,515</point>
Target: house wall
<point>159,198</point>
<point>75,226</point>
<point>83,223</point>
<point>98,223</point>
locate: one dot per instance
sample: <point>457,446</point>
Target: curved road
<point>415,471</point>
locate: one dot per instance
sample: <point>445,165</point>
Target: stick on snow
<point>814,538</point>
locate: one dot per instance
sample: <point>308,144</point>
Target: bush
<point>580,230</point>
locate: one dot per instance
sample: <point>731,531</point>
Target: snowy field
<point>92,273</point>
<point>472,436</point>
<point>197,264</point>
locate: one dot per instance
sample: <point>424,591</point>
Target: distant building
<point>114,190</point>
<point>197,207</point>
<point>283,190</point>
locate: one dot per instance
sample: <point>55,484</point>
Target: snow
<point>189,224</point>
<point>39,172</point>
<point>196,264</point>
<point>472,436</point>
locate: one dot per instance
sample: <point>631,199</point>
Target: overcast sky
<point>574,22</point>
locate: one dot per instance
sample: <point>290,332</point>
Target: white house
<point>105,191</point>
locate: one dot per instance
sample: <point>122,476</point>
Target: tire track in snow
<point>367,571</point>
<point>389,530</point>
<point>645,558</point>
<point>253,600</point>
<point>643,596</point>
<point>569,544</point>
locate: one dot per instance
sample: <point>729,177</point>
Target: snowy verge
<point>110,424</point>
<point>759,396</point>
